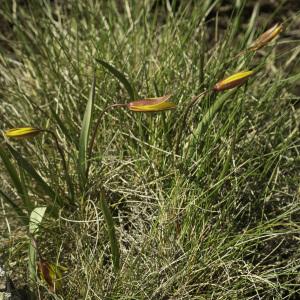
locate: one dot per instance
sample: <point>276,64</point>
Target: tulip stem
<point>92,142</point>
<point>61,152</point>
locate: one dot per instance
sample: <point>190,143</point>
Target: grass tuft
<point>201,202</point>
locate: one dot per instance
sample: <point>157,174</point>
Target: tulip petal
<point>154,107</point>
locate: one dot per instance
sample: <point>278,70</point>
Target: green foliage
<point>35,221</point>
<point>120,76</point>
<point>84,134</point>
<point>216,219</point>
<point>111,231</point>
<point>15,206</point>
<point>18,184</point>
<point>23,163</point>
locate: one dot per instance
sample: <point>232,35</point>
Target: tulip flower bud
<point>232,81</point>
<point>151,104</point>
<point>24,132</point>
<point>266,37</point>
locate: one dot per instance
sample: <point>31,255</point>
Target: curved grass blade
<point>17,209</point>
<point>84,134</point>
<point>208,116</point>
<point>120,76</point>
<point>21,190</point>
<point>115,250</point>
<point>24,164</point>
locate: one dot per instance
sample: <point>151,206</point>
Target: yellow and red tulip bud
<point>232,81</point>
<point>51,274</point>
<point>151,104</point>
<point>24,132</point>
<point>266,37</point>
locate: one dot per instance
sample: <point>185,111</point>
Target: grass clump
<point>201,202</point>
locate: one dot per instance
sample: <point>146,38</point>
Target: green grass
<point>202,207</point>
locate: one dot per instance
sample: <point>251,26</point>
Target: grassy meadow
<point>195,195</point>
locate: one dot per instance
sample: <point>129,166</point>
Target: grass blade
<point>115,250</point>
<point>120,76</point>
<point>24,164</point>
<point>208,116</point>
<point>15,179</point>
<point>84,134</point>
<point>17,209</point>
<point>63,128</point>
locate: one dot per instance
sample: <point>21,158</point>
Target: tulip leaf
<point>120,76</point>
<point>84,134</point>
<point>35,220</point>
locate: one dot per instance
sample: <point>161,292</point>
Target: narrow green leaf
<point>120,76</point>
<point>84,134</point>
<point>23,163</point>
<point>17,209</point>
<point>35,220</point>
<point>15,179</point>
<point>115,251</point>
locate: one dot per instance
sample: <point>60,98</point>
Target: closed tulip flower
<point>233,81</point>
<point>151,104</point>
<point>266,37</point>
<point>23,132</point>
